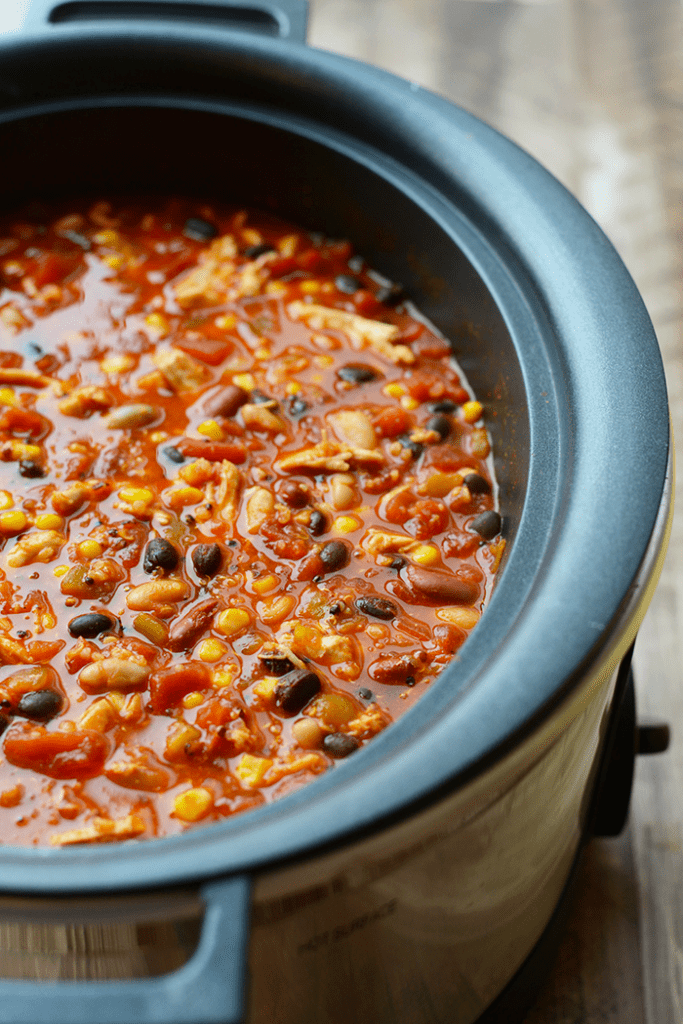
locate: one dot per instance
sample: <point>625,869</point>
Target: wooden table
<point>594,90</point>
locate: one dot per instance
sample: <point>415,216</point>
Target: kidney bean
<point>397,669</point>
<point>378,607</point>
<point>160,554</point>
<point>129,417</point>
<point>207,559</point>
<point>42,704</point>
<point>187,630</point>
<point>214,451</point>
<point>276,662</point>
<point>296,689</point>
<point>434,586</point>
<point>487,525</point>
<point>92,624</point>
<point>340,744</point>
<point>226,401</point>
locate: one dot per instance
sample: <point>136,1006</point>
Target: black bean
<point>294,493</point>
<point>397,562</point>
<point>477,484</point>
<point>347,284</point>
<point>487,525</point>
<point>199,230</point>
<point>297,406</point>
<point>259,397</point>
<point>334,555</point>
<point>441,424</point>
<point>78,239</point>
<point>356,373</point>
<point>340,744</point>
<point>92,624</point>
<point>414,447</point>
<point>366,694</point>
<point>355,264</point>
<point>41,704</point>
<point>379,607</point>
<point>317,524</point>
<point>445,405</point>
<point>4,722</point>
<point>277,664</point>
<point>174,454</point>
<point>254,251</point>
<point>160,554</point>
<point>391,294</point>
<point>294,690</point>
<point>32,470</point>
<point>207,559</point>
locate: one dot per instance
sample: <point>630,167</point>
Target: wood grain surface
<point>594,90</point>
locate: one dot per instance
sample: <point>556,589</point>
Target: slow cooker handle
<point>286,19</point>
<point>209,989</point>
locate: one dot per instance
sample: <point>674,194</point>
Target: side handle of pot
<point>208,989</point>
<point>286,19</point>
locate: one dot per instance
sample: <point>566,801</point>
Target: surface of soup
<point>246,512</point>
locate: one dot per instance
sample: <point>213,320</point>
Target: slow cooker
<point>412,882</point>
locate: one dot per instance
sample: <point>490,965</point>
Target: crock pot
<point>411,882</point>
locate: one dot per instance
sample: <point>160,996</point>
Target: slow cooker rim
<point>514,156</point>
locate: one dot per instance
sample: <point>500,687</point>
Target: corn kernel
<point>347,524</point>
<point>19,450</point>
<point>310,287</point>
<point>263,584</point>
<point>107,236</point>
<point>265,688</point>
<point>461,616</point>
<point>394,390</point>
<point>158,436</point>
<point>244,380</point>
<point>193,700</point>
<point>425,554</point>
<point>117,364</point>
<point>472,411</point>
<point>262,353</point>
<point>275,288</point>
<point>182,496</point>
<point>293,388</point>
<point>8,397</point>
<point>90,549</point>
<point>6,500</point>
<point>12,523</point>
<point>209,428</point>
<point>153,628</point>
<point>115,262</point>
<point>211,650</point>
<point>329,287</point>
<point>61,570</point>
<point>50,521</point>
<point>232,621</point>
<point>251,769</point>
<point>409,403</point>
<point>223,677</point>
<point>226,322</point>
<point>274,609</point>
<point>158,323</point>
<point>323,361</point>
<point>193,804</point>
<point>131,495</point>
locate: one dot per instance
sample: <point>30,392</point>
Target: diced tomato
<point>214,451</point>
<point>50,268</point>
<point>412,332</point>
<point>365,302</point>
<point>77,754</point>
<point>24,422</point>
<point>309,259</point>
<point>281,265</point>
<point>210,350</point>
<point>341,250</point>
<point>168,686</point>
<point>392,421</point>
<point>427,518</point>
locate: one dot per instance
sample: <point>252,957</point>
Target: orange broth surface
<point>246,514</point>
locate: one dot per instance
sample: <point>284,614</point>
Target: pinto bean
<point>129,417</point>
<point>149,596</point>
<point>114,674</point>
<point>434,586</point>
<point>187,630</point>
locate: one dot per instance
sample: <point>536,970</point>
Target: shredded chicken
<point>182,372</point>
<point>364,332</point>
<point>101,830</point>
<point>210,281</point>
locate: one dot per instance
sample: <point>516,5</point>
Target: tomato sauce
<point>246,514</point>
